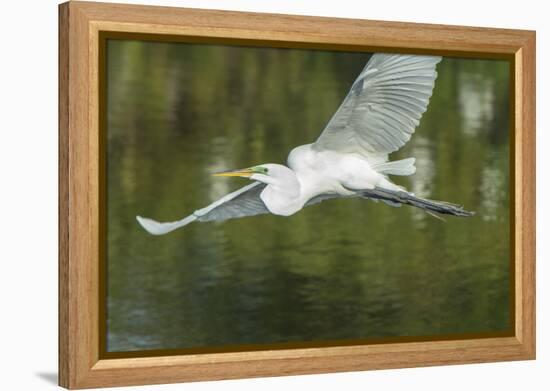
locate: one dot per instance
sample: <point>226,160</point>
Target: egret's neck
<point>282,195</point>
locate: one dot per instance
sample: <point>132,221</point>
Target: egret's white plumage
<point>350,157</point>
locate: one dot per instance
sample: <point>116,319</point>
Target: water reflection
<point>476,102</point>
<point>343,269</point>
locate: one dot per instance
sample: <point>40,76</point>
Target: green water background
<point>344,269</point>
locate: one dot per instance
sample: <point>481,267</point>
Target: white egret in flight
<point>350,157</point>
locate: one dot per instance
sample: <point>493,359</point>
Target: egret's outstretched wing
<point>244,202</point>
<point>241,203</point>
<point>383,106</point>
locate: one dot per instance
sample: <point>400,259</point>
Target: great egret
<point>350,157</point>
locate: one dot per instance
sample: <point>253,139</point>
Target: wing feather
<point>383,106</point>
<point>243,202</point>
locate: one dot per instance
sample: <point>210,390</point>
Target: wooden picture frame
<point>80,27</point>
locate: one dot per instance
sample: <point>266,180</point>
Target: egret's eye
<point>261,170</point>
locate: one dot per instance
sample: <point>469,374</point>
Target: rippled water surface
<point>344,269</point>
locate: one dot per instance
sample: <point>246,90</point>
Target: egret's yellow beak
<point>244,172</point>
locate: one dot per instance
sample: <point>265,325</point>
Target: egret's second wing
<point>241,203</point>
<point>244,202</point>
<point>383,106</point>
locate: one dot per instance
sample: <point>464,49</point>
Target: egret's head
<point>272,174</point>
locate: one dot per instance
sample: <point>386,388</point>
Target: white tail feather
<point>401,167</point>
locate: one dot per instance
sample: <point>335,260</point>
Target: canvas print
<point>263,198</point>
